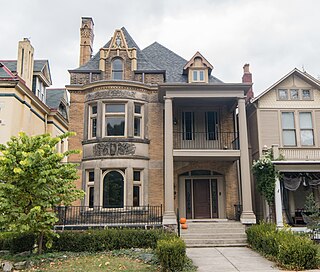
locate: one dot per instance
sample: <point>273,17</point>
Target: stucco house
<point>157,129</point>
<point>286,117</point>
<point>23,88</point>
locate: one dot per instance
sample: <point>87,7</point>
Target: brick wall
<point>155,128</point>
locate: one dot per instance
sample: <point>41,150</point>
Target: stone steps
<point>211,234</point>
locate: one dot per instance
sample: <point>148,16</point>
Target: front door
<point>201,195</point>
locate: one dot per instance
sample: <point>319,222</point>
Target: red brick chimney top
<point>247,78</point>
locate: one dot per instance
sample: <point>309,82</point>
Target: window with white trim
<point>288,129</point>
<point>198,76</point>
<point>306,94</point>
<point>306,128</point>
<point>283,94</point>
<point>93,121</point>
<point>115,116</point>
<point>137,188</point>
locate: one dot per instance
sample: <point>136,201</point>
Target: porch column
<point>247,216</point>
<point>169,217</point>
<point>278,203</point>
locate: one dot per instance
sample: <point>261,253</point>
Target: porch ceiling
<point>205,155</point>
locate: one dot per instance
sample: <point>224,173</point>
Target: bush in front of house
<point>108,239</point>
<point>290,250</point>
<point>17,242</point>
<point>171,254</point>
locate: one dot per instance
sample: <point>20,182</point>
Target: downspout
<point>46,123</point>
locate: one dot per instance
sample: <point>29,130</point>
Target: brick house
<point>156,129</point>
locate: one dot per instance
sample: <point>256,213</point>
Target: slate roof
<point>155,57</point>
<point>5,72</point>
<point>37,66</point>
<point>54,97</point>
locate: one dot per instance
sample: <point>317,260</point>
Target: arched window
<point>117,69</point>
<point>113,190</point>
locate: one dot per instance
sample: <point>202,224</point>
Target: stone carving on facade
<point>110,94</point>
<point>114,149</point>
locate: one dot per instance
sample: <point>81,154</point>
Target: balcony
<point>205,146</point>
<point>205,140</point>
<point>301,154</point>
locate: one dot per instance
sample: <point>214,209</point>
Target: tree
<point>33,182</point>
<point>265,174</point>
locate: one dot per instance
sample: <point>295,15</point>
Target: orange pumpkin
<point>183,220</point>
<point>184,226</point>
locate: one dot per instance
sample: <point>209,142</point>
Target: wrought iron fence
<point>99,216</point>
<point>206,140</point>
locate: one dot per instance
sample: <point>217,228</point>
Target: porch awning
<point>293,180</point>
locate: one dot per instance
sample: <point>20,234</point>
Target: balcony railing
<point>205,140</point>
<point>302,153</point>
<point>77,216</point>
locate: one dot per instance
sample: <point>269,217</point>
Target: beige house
<point>287,117</point>
<point>23,84</point>
<point>157,129</point>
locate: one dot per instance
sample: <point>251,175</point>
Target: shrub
<point>171,254</point>
<point>17,242</point>
<point>108,239</point>
<point>289,249</point>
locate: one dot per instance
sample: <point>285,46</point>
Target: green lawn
<point>94,262</point>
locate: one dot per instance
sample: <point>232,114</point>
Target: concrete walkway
<point>230,259</point>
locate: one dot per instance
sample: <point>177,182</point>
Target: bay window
<point>115,123</point>
<point>93,121</point>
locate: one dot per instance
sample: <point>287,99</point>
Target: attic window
<point>117,69</point>
<point>198,76</point>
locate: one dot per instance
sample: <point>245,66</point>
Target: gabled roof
<point>5,73</point>
<point>204,61</point>
<point>39,66</point>
<point>143,63</point>
<point>54,97</point>
<point>304,75</point>
<point>154,58</point>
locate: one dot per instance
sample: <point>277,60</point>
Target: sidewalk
<point>230,259</point>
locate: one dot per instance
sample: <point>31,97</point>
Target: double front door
<point>201,198</point>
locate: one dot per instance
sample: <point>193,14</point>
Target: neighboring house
<point>23,84</point>
<point>156,129</point>
<point>287,117</point>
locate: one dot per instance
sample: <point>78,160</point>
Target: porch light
<point>175,121</point>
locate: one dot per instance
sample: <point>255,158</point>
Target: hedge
<point>108,239</point>
<point>290,250</point>
<point>171,254</point>
<point>17,242</point>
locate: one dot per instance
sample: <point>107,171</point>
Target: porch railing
<point>205,140</point>
<point>100,216</point>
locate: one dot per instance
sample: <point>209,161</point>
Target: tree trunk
<point>40,243</point>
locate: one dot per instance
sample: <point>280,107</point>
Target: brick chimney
<point>247,78</point>
<point>86,40</point>
<point>25,61</point>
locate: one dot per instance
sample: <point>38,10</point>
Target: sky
<point>273,36</point>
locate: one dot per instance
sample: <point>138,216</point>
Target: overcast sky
<point>273,36</point>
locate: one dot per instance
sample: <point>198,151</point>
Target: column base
<point>248,218</point>
<point>169,218</point>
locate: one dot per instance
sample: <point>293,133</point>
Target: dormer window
<point>198,69</point>
<point>117,69</point>
<point>198,76</point>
